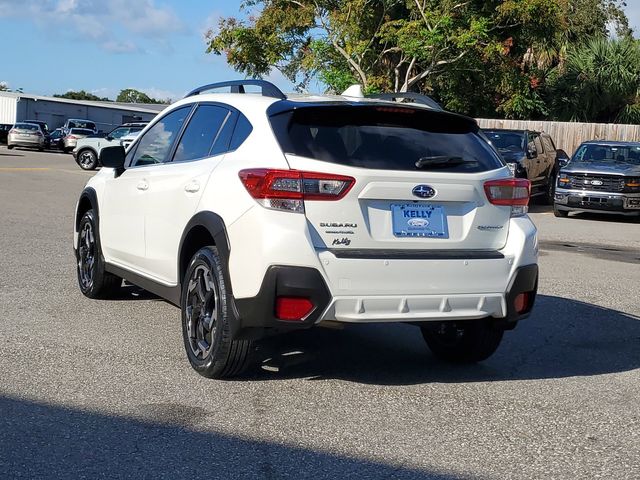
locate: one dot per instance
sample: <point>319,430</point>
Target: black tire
<point>87,159</point>
<point>559,213</point>
<point>466,341</point>
<point>93,280</point>
<point>206,319</point>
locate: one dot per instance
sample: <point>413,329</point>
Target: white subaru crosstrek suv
<point>258,214</point>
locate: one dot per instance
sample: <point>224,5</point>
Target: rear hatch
<point>418,177</point>
<point>27,131</point>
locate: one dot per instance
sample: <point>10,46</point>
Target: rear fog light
<point>293,308</point>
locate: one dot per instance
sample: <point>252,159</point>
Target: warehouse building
<point>17,107</point>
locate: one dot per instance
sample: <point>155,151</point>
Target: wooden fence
<point>569,135</point>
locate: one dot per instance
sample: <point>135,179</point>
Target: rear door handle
<point>192,187</point>
<point>143,185</point>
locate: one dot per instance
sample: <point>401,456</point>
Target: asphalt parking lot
<point>93,389</point>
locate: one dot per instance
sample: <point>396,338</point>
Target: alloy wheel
<point>86,159</point>
<point>86,255</point>
<point>201,311</point>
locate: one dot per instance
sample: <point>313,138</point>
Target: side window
<point>242,131</point>
<point>119,132</point>
<point>538,144</point>
<point>201,133</point>
<point>548,143</point>
<point>155,145</point>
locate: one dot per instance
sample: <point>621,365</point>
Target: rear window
<point>82,131</point>
<point>506,141</point>
<point>27,126</point>
<point>82,124</point>
<point>387,138</point>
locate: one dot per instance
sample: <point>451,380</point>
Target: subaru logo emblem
<point>424,191</point>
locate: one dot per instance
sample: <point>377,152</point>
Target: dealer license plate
<point>419,220</point>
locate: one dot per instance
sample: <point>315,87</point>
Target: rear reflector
<point>521,303</point>
<point>293,308</point>
<point>288,189</point>
<point>513,192</point>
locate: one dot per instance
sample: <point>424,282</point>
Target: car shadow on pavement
<point>11,154</point>
<point>45,441</point>
<point>603,217</point>
<point>133,292</point>
<point>562,338</point>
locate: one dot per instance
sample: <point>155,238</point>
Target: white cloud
<point>117,26</point>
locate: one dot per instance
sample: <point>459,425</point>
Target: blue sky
<point>103,46</point>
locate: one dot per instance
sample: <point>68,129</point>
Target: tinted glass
<point>198,137</point>
<point>155,145</point>
<point>388,138</point>
<point>27,126</point>
<point>81,131</point>
<point>608,153</point>
<point>81,124</point>
<point>242,131</point>
<point>506,141</point>
<point>119,132</point>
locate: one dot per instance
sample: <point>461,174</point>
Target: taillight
<point>288,189</point>
<point>13,131</point>
<point>72,137</point>
<point>513,192</point>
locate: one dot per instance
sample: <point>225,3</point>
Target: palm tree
<point>600,82</point>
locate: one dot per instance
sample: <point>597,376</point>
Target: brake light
<point>513,192</point>
<point>72,137</point>
<point>288,189</point>
<point>13,131</point>
<point>293,308</point>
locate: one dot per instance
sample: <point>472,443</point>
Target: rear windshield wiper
<point>442,161</point>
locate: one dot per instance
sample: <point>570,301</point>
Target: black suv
<point>531,155</point>
<point>602,177</point>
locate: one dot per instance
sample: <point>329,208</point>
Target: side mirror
<point>562,158</point>
<point>108,138</point>
<point>113,157</point>
<point>532,152</point>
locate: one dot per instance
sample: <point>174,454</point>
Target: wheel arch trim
<point>215,226</point>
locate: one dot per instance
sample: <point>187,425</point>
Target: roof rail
<point>414,97</point>
<point>237,86</point>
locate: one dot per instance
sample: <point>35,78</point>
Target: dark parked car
<point>4,132</point>
<point>602,177</point>
<point>55,138</point>
<point>531,155</point>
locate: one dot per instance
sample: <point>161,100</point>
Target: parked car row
<point>601,177</point>
<point>76,135</point>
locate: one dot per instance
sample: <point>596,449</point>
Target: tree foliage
<point>483,58</point>
<point>81,95</point>
<point>131,95</point>
<point>600,82</point>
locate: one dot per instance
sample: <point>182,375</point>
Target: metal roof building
<point>17,107</point>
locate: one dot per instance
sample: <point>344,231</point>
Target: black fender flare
<point>215,225</point>
<point>90,195</point>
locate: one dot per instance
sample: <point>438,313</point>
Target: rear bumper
<point>26,143</point>
<point>256,315</point>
